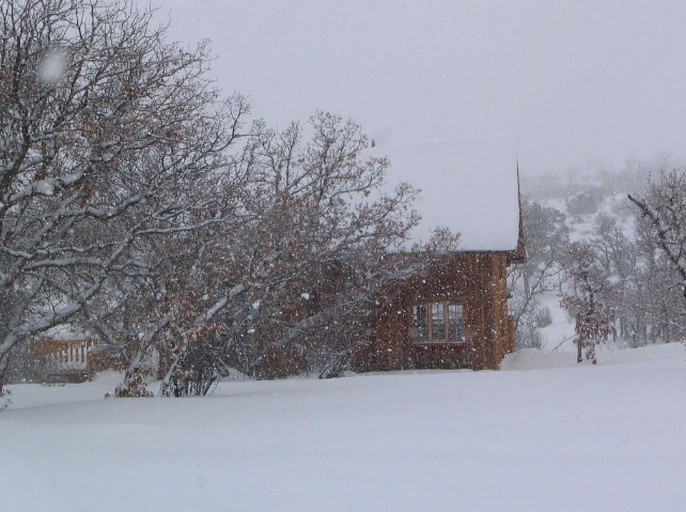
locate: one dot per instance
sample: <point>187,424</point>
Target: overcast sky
<point>575,82</point>
<point>447,85</point>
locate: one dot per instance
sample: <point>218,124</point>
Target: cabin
<point>452,315</point>
<point>456,314</point>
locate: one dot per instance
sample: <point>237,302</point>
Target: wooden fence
<point>61,360</point>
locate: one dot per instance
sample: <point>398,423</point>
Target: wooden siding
<point>478,282</point>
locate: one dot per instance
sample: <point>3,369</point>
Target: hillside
<point>544,434</point>
<point>591,211</point>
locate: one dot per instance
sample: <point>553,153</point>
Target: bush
<point>585,202</point>
<point>527,334</point>
<point>543,317</point>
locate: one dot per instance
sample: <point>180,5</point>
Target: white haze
<point>573,81</point>
<point>450,90</point>
<point>51,67</point>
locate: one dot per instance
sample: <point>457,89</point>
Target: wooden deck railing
<point>61,360</point>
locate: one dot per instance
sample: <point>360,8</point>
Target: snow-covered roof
<point>467,186</point>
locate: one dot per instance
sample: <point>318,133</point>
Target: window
<point>438,322</point>
<point>455,322</point>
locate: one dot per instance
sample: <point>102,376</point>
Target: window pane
<point>421,323</point>
<point>437,322</point>
<point>456,323</point>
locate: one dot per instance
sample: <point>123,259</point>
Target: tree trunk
<point>4,360</point>
<point>579,350</point>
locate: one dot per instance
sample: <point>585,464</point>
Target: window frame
<point>449,315</point>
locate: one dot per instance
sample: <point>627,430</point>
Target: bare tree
<point>664,207</point>
<point>589,301</point>
<point>288,290</point>
<point>663,212</point>
<point>107,133</point>
<point>546,238</point>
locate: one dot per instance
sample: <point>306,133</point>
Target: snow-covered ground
<point>544,434</point>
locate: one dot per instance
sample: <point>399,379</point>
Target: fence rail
<point>61,360</point>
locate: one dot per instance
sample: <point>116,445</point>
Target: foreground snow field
<point>545,434</point>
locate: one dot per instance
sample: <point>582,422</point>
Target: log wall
<point>478,282</point>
